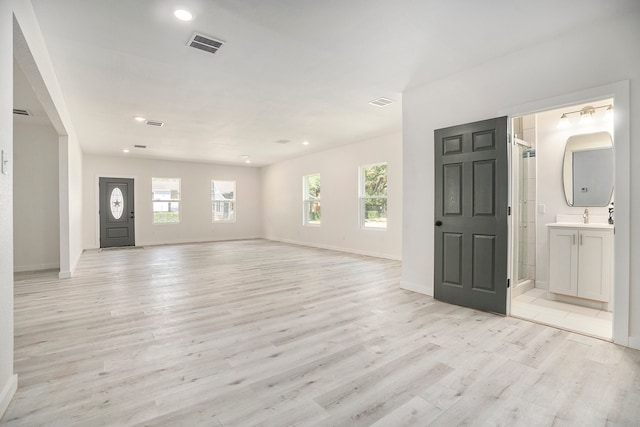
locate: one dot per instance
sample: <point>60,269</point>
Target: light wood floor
<point>262,333</point>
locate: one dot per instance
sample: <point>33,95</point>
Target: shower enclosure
<point>524,202</point>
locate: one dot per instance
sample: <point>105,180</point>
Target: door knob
<point>438,223</point>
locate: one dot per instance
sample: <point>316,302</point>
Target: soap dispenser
<point>611,214</point>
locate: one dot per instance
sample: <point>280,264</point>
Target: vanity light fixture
<point>586,115</point>
<point>564,122</point>
<point>608,113</point>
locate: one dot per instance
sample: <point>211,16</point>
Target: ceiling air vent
<point>21,112</point>
<point>154,123</point>
<point>381,102</point>
<point>140,146</point>
<point>283,141</point>
<point>206,43</point>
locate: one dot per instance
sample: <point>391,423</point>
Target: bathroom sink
<point>581,225</point>
<point>595,221</point>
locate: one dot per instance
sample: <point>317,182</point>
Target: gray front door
<point>471,185</point>
<point>116,212</point>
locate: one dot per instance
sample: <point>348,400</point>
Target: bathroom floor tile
<point>606,315</point>
<point>534,306</point>
<point>525,298</point>
<point>537,293</point>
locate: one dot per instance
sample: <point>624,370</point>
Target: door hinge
<point>508,283</point>
<point>508,210</point>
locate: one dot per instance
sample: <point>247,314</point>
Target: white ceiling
<point>290,69</point>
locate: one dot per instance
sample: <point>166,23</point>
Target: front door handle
<point>132,216</point>
<point>438,223</point>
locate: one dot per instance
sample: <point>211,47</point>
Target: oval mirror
<point>588,172</point>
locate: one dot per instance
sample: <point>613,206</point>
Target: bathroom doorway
<point>555,255</point>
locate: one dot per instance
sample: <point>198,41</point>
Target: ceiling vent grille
<point>154,123</point>
<point>283,141</point>
<point>206,43</point>
<point>381,102</point>
<point>140,146</point>
<point>21,112</point>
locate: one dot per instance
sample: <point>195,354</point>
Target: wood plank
<point>264,333</point>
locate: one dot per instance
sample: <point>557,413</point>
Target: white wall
<point>195,204</point>
<point>36,219</point>
<point>338,169</point>
<point>8,381</point>
<point>26,44</point>
<point>30,52</point>
<point>71,202</point>
<point>582,59</point>
<point>550,155</point>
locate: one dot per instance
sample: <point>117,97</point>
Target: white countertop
<point>602,225</point>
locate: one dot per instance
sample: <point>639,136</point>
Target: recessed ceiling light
<point>125,151</point>
<point>183,15</point>
<point>139,119</point>
<point>247,161</point>
<point>305,142</point>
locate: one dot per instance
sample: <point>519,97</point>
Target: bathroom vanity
<point>581,260</point>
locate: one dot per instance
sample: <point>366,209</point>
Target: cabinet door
<point>594,260</point>
<point>563,261</point>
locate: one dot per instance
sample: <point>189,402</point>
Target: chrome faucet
<point>585,216</point>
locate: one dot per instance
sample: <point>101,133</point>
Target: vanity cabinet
<point>581,261</point>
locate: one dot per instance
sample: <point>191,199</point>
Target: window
<point>311,199</point>
<point>223,201</point>
<point>166,200</point>
<point>373,196</point>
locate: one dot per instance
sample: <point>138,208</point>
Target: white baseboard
<point>7,393</point>
<point>64,275</point>
<point>337,248</point>
<point>35,267</point>
<point>414,287</point>
<point>182,242</point>
<point>634,342</point>
<point>541,284</point>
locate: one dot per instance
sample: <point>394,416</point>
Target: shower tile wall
<point>528,264</point>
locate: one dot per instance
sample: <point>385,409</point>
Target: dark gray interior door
<point>471,185</point>
<point>116,212</point>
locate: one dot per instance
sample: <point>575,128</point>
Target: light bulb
<point>585,118</point>
<point>608,114</point>
<point>564,122</point>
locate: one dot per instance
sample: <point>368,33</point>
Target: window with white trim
<point>166,200</point>
<point>373,196</point>
<point>311,199</point>
<point>223,201</point>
